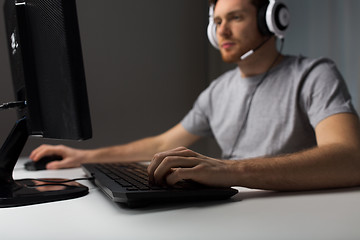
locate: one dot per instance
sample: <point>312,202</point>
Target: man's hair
<point>257,3</point>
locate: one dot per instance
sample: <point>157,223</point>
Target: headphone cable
<point>252,96</point>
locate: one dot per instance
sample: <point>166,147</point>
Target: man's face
<point>236,30</point>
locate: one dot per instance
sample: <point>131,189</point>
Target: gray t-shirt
<point>269,114</point>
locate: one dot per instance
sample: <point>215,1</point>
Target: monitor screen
<point>47,67</point>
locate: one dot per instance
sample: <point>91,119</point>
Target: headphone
<point>273,19</point>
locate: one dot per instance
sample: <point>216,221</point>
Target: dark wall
<point>145,63</point>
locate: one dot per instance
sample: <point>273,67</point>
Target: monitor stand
<point>29,191</point>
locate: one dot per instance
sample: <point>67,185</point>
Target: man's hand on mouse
<point>170,167</point>
<point>70,157</point>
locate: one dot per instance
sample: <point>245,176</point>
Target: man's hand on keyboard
<point>170,167</point>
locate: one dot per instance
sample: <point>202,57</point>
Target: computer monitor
<point>50,90</point>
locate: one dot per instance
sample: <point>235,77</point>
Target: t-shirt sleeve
<point>197,120</point>
<point>325,92</point>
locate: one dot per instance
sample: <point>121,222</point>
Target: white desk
<point>251,214</point>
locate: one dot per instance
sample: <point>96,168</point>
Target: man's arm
<point>335,162</point>
<point>139,150</point>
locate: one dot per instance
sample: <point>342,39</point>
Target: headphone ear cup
<point>261,21</point>
<point>211,30</point>
<point>277,18</point>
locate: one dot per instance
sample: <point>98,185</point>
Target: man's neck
<point>261,61</point>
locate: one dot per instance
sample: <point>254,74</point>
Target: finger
<point>37,150</point>
<point>169,163</point>
<point>179,174</point>
<point>61,164</point>
<point>159,157</point>
<point>53,165</point>
<point>40,153</point>
<point>48,150</point>
<point>194,174</point>
<point>154,163</point>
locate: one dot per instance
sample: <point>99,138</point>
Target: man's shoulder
<point>302,63</point>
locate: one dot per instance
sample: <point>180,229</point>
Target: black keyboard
<point>131,176</point>
<point>128,183</point>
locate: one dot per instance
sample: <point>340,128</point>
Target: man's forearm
<point>143,149</point>
<point>140,150</point>
<point>321,167</point>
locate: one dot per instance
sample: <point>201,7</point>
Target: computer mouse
<point>41,164</point>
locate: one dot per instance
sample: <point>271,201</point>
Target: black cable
<point>59,181</point>
<point>250,102</point>
<point>9,105</point>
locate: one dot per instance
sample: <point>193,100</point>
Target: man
<point>282,122</point>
